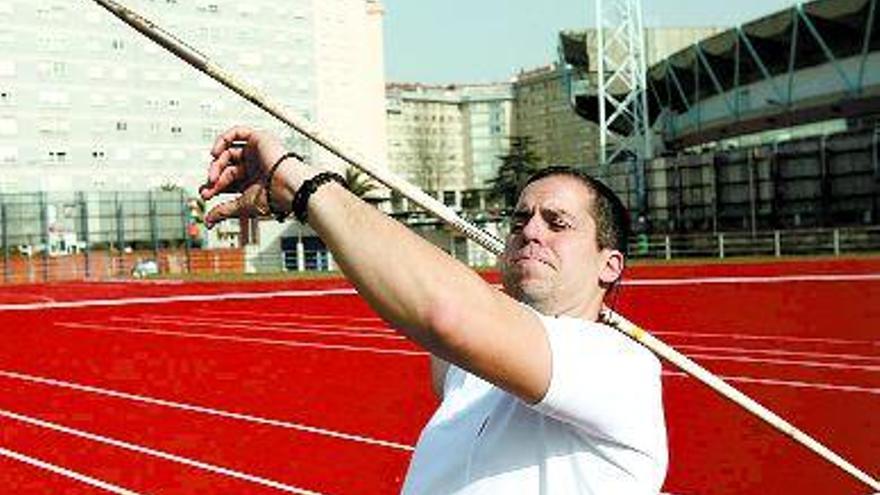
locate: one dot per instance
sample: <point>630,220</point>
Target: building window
<point>8,154</point>
<point>121,126</point>
<point>57,156</point>
<point>118,44</point>
<point>176,130</point>
<point>8,126</point>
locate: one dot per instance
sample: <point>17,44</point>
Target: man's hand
<point>242,159</point>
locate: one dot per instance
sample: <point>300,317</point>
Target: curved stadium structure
<point>772,124</point>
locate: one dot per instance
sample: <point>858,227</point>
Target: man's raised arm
<point>432,298</point>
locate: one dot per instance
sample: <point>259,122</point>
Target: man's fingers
<point>224,141</point>
<point>227,209</point>
<point>229,157</point>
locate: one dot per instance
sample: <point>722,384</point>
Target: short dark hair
<point>608,211</point>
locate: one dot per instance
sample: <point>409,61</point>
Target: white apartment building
<point>447,139</point>
<point>87,103</point>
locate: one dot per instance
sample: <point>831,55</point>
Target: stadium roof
<point>811,62</point>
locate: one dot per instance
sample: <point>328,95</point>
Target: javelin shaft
<point>481,237</point>
<point>737,397</point>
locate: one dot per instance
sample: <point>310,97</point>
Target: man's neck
<point>585,310</point>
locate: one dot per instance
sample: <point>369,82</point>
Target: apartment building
<point>447,139</point>
<point>87,103</point>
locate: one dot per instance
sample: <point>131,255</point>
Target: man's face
<point>552,260</point>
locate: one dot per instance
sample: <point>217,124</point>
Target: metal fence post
<point>120,236</point>
<point>5,233</point>
<point>44,234</point>
<point>668,247</point>
<point>84,228</point>
<point>836,242</point>
<point>184,212</point>
<point>154,226</point>
<point>721,246</point>
<point>777,244</point>
<point>300,255</point>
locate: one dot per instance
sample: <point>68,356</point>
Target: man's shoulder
<point>593,336</point>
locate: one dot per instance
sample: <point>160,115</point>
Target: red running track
<point>313,394</point>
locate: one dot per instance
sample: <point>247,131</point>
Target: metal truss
<point>621,64</point>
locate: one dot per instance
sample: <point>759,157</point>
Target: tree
<point>362,185</point>
<point>516,166</point>
<point>431,151</point>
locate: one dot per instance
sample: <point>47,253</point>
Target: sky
<point>478,41</point>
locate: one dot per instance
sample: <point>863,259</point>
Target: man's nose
<point>534,229</point>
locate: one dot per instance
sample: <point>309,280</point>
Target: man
<point>538,397</point>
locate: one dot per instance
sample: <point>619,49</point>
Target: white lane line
<point>242,296</point>
<point>786,362</point>
<point>772,279</point>
<point>67,473</point>
<point>297,324</point>
<point>140,449</point>
<point>779,352</point>
<point>785,383</point>
<point>183,406</point>
<point>249,340</point>
<point>304,316</point>
<point>780,338</point>
<point>128,301</point>
<point>262,326</point>
<point>343,347</point>
<point>393,351</point>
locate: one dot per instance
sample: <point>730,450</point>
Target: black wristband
<point>305,191</point>
<point>279,215</point>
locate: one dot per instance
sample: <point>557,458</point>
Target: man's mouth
<point>526,258</point>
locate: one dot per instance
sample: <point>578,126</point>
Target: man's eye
<point>518,222</point>
<point>559,224</point>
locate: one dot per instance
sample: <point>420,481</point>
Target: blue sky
<point>472,41</point>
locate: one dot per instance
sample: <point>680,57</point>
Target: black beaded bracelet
<point>305,191</point>
<point>279,215</point>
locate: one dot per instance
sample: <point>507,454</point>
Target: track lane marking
<point>784,383</point>
<point>67,473</point>
<point>355,348</point>
<point>779,352</point>
<point>248,340</point>
<point>243,296</point>
<point>336,346</point>
<point>786,362</point>
<point>305,316</point>
<point>129,301</point>
<point>781,338</point>
<point>184,406</point>
<point>261,326</point>
<point>140,449</point>
<point>756,279</point>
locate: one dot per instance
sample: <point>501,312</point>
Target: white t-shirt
<point>598,430</point>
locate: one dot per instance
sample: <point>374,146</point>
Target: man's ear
<point>612,268</point>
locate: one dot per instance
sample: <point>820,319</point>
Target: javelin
<point>199,61</point>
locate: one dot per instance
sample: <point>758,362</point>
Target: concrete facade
<point>86,103</point>
<point>543,113</point>
<point>447,139</point>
